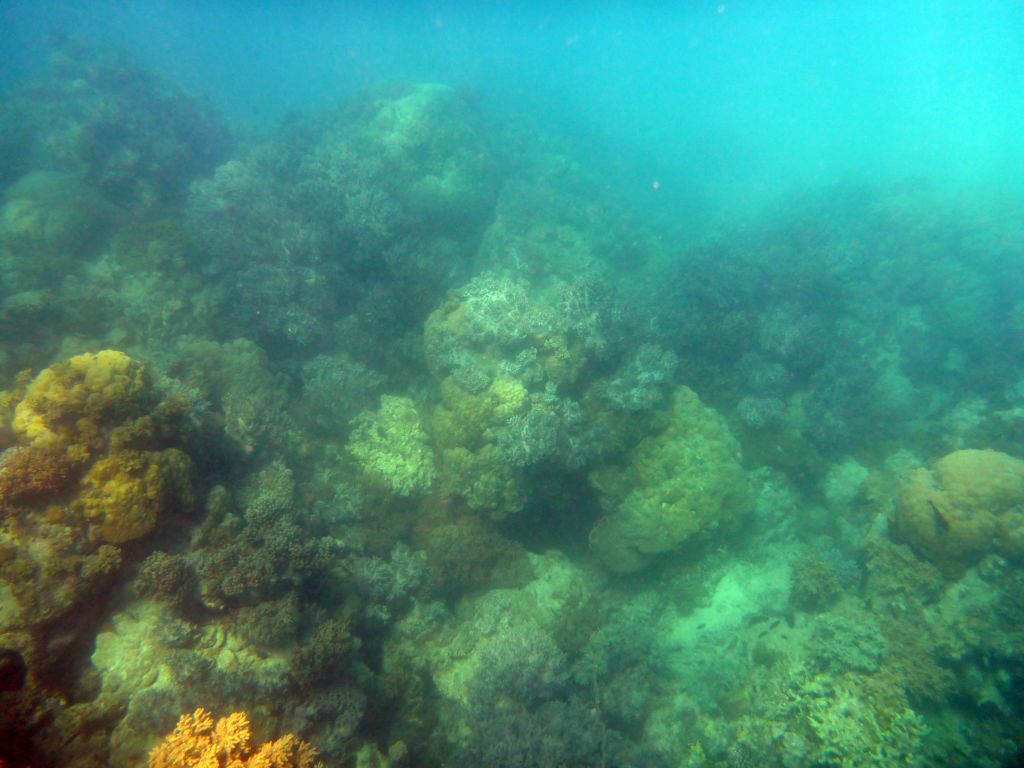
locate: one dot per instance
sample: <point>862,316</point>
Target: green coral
<point>391,447</point>
<point>678,485</point>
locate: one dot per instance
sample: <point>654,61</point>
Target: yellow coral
<point>199,743</point>
<point>68,405</point>
<point>971,503</point>
<point>123,495</point>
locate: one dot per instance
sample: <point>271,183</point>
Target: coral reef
<point>397,428</point>
<point>130,135</point>
<point>49,221</point>
<point>94,469</point>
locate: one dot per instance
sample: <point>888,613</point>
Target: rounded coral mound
<point>92,468</point>
<point>678,485</point>
<point>70,405</point>
<point>123,495</point>
<point>969,504</point>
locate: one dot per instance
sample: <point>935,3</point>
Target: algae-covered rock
<point>392,448</point>
<point>678,485</point>
<point>969,504</point>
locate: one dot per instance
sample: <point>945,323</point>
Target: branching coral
<point>198,742</point>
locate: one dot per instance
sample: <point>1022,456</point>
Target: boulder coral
<point>49,223</point>
<point>680,484</point>
<point>968,505</point>
<point>428,139</point>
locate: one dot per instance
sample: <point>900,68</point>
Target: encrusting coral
<point>123,494</point>
<point>970,504</point>
<point>198,742</point>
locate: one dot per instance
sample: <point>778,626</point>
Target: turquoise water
<point>512,384</point>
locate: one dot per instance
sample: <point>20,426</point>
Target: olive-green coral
<point>679,484</point>
<point>391,447</point>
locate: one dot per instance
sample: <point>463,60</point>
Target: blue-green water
<point>512,384</point>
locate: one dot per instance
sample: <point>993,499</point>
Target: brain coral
<point>679,484</point>
<point>69,405</point>
<point>969,504</point>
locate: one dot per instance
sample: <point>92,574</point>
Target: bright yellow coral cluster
<point>69,404</point>
<point>123,494</point>
<point>74,410</point>
<point>198,742</point>
<point>89,470</point>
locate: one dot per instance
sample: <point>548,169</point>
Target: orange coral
<point>970,504</point>
<point>197,742</point>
